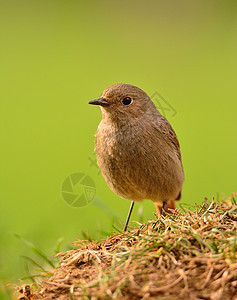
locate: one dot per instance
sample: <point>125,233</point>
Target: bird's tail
<point>170,205</point>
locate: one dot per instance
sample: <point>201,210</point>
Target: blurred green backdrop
<point>58,55</point>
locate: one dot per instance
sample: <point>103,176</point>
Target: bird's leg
<point>163,208</point>
<point>128,217</point>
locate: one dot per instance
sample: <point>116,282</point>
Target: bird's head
<point>123,101</point>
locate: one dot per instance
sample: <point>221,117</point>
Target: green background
<point>58,55</point>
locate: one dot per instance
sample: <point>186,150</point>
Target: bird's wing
<point>169,134</point>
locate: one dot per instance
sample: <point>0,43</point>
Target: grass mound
<point>186,255</point>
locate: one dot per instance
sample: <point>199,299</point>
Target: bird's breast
<point>133,161</point>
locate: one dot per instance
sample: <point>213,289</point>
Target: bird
<point>137,149</point>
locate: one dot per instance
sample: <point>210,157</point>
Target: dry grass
<point>189,255</point>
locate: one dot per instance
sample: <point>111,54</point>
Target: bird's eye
<point>127,101</point>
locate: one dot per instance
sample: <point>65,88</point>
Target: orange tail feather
<point>168,208</point>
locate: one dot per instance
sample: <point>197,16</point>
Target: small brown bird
<point>137,150</point>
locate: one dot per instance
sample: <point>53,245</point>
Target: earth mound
<point>184,255</point>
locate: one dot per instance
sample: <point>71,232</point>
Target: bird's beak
<point>100,101</point>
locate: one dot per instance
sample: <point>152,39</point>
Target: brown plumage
<point>137,150</point>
